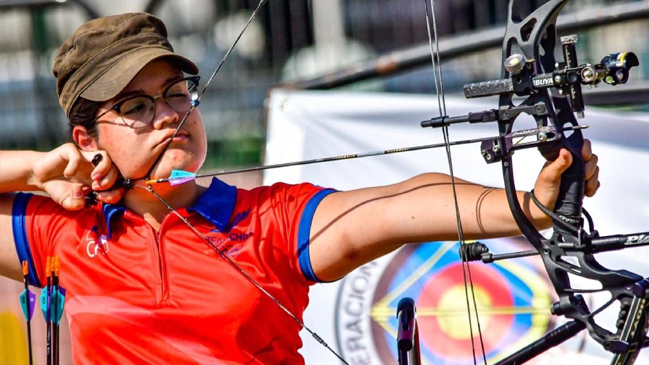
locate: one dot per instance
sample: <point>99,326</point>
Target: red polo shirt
<point>137,296</point>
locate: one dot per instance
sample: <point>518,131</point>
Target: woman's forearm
<point>16,170</point>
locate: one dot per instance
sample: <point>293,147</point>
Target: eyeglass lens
<point>139,111</point>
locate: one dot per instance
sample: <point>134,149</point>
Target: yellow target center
<point>453,319</point>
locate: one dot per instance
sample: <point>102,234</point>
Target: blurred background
<point>294,41</point>
<point>365,45</point>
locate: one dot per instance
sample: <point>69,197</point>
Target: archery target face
<point>512,297</point>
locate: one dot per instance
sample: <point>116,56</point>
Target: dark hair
<point>84,113</point>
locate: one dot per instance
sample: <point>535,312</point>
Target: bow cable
<point>441,102</point>
<point>246,275</point>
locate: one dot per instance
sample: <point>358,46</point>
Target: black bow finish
<point>551,93</point>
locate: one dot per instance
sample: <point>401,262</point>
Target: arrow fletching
<point>28,303</point>
<point>45,303</point>
<point>58,302</point>
<point>27,298</point>
<point>180,177</point>
<point>177,177</point>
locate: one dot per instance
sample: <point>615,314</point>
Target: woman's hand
<point>548,183</point>
<point>67,175</point>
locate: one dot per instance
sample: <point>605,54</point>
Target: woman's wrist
<point>535,214</point>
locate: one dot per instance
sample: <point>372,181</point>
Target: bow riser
<point>536,30</point>
<point>535,37</point>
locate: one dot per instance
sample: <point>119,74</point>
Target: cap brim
<point>111,83</point>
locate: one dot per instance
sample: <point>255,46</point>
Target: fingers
<point>110,196</point>
<point>592,184</point>
<point>101,165</point>
<point>553,169</point>
<point>557,167</point>
<point>74,158</point>
<point>591,169</point>
<point>74,178</point>
<point>586,150</point>
<point>105,174</point>
<point>546,188</point>
<point>76,199</point>
<point>104,177</point>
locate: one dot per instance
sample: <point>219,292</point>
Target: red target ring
<point>442,314</point>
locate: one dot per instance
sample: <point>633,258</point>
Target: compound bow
<point>551,94</point>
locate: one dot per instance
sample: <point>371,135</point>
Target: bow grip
<point>569,202</point>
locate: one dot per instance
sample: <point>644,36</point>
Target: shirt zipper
<point>162,297</point>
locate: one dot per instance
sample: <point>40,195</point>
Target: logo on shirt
<point>96,244</point>
<point>231,243</point>
<point>238,218</point>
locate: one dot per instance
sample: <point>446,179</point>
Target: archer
<point>160,295</point>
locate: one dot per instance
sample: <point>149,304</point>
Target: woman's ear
<point>83,139</point>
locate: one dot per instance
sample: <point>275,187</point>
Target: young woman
<point>164,274</point>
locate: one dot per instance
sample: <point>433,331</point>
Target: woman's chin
<point>164,168</point>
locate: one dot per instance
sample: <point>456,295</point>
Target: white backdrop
<point>315,124</point>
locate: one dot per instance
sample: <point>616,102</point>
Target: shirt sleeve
<point>293,208</point>
<point>37,223</point>
<point>304,234</point>
<point>21,240</point>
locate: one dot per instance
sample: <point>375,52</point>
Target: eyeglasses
<point>138,111</point>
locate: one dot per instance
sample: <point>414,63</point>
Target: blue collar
<point>215,205</point>
<point>110,212</point>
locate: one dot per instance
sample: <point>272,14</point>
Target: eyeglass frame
<point>118,105</point>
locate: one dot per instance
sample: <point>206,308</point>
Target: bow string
<point>469,292</point>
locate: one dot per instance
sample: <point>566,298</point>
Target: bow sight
<point>551,93</point>
<point>566,78</point>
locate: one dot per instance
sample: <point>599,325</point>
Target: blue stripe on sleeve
<point>304,233</point>
<point>20,235</point>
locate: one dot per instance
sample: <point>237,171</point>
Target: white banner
<point>355,316</point>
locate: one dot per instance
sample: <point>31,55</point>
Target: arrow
<point>45,308</point>
<point>178,177</point>
<point>28,303</point>
<point>57,302</point>
<point>58,294</point>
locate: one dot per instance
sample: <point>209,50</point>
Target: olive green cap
<point>105,54</point>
